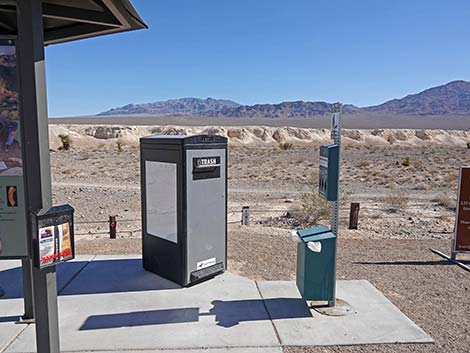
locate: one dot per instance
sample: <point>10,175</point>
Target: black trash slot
<point>206,168</point>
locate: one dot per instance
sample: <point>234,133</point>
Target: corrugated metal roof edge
<point>132,22</point>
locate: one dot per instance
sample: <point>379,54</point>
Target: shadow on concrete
<point>9,319</point>
<point>11,283</point>
<point>95,277</point>
<point>141,318</point>
<point>226,313</point>
<point>412,263</point>
<point>116,276</point>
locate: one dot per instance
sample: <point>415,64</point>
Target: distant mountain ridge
<point>183,106</point>
<point>452,98</point>
<point>449,99</point>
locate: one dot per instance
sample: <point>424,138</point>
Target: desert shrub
<point>396,201</point>
<point>286,146</point>
<point>314,208</point>
<point>468,145</point>
<point>423,186</point>
<point>66,141</point>
<point>120,144</point>
<point>451,181</point>
<point>444,200</point>
<point>406,162</point>
<point>363,163</point>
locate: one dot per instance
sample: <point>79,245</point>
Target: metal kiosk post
<point>336,136</point>
<point>27,220</point>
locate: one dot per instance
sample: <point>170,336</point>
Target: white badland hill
<point>261,134</point>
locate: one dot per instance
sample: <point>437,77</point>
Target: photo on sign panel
<point>12,196</point>
<point>47,244</point>
<point>65,241</point>
<point>11,163</point>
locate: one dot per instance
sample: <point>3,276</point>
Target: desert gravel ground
<point>407,196</point>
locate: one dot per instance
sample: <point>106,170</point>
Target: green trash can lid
<point>315,234</point>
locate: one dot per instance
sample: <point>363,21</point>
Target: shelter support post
<point>36,161</point>
<point>27,270</point>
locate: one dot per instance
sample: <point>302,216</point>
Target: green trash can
<point>316,264</point>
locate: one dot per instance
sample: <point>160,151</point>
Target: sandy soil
<point>406,186</point>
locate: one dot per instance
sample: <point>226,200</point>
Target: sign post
<point>328,185</point>
<point>336,136</point>
<point>461,243</point>
<point>354,215</point>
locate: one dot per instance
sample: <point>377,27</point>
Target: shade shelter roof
<point>67,20</point>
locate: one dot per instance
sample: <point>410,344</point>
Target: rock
<point>378,132</point>
<point>422,135</point>
<point>353,134</point>
<point>105,132</point>
<point>280,135</point>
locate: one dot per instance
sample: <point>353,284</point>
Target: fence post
<point>245,216</point>
<point>112,227</point>
<point>354,215</point>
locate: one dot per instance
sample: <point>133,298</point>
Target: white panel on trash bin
<point>161,200</point>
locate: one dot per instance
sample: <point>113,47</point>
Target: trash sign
<point>462,222</point>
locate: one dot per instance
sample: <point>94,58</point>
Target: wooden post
<point>354,215</point>
<point>112,227</point>
<point>245,216</point>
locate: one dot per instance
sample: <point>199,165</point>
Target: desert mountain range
<point>449,99</point>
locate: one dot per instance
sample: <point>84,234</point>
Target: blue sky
<point>265,51</point>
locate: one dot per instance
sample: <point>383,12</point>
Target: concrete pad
<point>110,304</point>
<point>11,304</point>
<point>132,309</point>
<point>374,319</point>
<point>10,309</point>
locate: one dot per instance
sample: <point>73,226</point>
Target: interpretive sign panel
<point>462,222</point>
<point>329,172</point>
<point>13,235</point>
<point>55,238</point>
